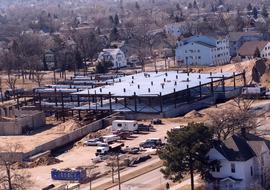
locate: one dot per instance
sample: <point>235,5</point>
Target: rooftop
<point>152,84</point>
<point>248,48</point>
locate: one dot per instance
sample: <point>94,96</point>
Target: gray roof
<point>241,148</point>
<point>235,36</point>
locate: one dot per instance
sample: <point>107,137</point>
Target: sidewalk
<point>127,175</point>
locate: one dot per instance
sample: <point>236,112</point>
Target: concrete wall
<point>75,135</point>
<point>10,128</point>
<point>24,120</point>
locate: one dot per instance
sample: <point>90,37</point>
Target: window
<point>233,167</point>
<point>119,125</point>
<point>251,171</point>
<point>199,57</point>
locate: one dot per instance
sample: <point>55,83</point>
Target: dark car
<point>151,143</point>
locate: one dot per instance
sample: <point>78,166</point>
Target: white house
<point>248,49</point>
<point>115,56</point>
<point>244,161</point>
<point>203,50</point>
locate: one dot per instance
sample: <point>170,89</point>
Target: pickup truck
<point>105,148</point>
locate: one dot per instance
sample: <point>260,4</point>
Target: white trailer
<point>124,125</point>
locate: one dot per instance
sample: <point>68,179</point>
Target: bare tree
<point>10,177</point>
<point>38,77</point>
<point>11,83</point>
<point>229,121</point>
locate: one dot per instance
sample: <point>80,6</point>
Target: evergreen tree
<point>265,13</point>
<point>257,53</point>
<point>255,12</point>
<point>189,6</point>
<point>178,6</point>
<point>78,60</point>
<point>137,5</point>
<point>116,20</point>
<point>185,152</point>
<point>111,19</point>
<point>249,7</point>
<point>195,5</point>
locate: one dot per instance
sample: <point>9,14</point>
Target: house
<point>244,160</point>
<point>237,39</point>
<point>49,60</point>
<point>176,29</point>
<point>114,56</point>
<point>203,50</point>
<point>248,49</point>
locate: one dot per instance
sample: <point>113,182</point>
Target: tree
<point>116,20</point>
<point>178,6</point>
<point>249,7</point>
<point>11,83</point>
<point>195,5</point>
<point>265,13</point>
<point>190,6</point>
<point>10,177</point>
<point>230,121</point>
<point>255,12</point>
<point>38,77</point>
<point>257,53</point>
<point>137,6</point>
<point>185,152</point>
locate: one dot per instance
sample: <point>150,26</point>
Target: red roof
<point>248,48</point>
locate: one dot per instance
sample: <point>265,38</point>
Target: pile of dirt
<point>193,114</point>
<point>44,161</point>
<point>68,126</point>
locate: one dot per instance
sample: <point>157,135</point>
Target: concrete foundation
<point>16,122</point>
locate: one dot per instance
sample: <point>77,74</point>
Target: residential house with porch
<point>244,160</point>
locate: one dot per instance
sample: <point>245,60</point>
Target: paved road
<point>151,181</point>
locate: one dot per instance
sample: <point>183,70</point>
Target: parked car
<point>151,143</point>
<point>147,128</point>
<point>93,142</point>
<point>131,150</point>
<point>156,122</point>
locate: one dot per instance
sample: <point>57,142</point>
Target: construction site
<point>48,119</point>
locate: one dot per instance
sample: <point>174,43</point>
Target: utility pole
<point>118,171</point>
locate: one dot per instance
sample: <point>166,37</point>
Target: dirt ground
<point>81,155</point>
<point>52,131</point>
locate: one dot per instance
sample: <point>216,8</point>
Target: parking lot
<point>82,155</point>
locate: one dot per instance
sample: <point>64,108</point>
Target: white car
<point>92,142</point>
